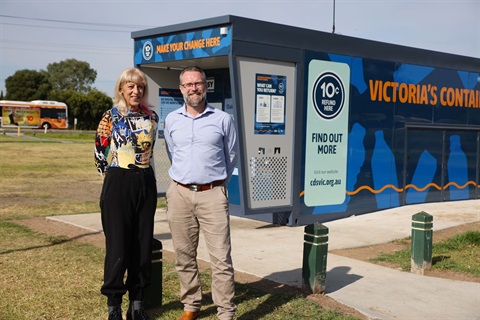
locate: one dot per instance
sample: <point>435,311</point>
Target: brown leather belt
<point>201,187</point>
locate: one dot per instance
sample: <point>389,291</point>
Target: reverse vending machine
<point>329,126</point>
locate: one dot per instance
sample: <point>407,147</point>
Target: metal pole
<point>333,29</point>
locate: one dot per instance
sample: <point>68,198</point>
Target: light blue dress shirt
<point>201,149</point>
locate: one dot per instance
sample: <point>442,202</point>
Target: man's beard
<point>194,102</point>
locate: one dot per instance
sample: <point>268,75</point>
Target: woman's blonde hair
<point>136,76</point>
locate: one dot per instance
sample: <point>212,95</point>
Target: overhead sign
<point>200,43</point>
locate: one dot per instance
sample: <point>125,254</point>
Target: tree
<point>87,108</point>
<point>99,102</point>
<point>71,74</point>
<point>27,85</point>
<point>68,81</point>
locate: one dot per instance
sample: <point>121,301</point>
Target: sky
<point>36,33</point>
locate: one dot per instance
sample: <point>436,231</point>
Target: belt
<point>201,187</point>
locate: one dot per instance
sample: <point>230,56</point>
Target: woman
<point>129,194</point>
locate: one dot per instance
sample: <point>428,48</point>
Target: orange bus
<point>34,114</point>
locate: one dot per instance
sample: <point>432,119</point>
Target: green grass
<point>76,136</point>
<point>45,277</point>
<point>44,178</point>
<point>50,136</point>
<point>457,254</point>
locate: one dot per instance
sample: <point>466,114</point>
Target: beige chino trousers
<point>188,212</point>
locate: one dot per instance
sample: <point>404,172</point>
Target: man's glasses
<point>191,85</point>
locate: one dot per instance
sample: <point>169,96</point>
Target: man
<point>202,147</point>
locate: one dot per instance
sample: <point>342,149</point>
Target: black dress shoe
<point>115,314</point>
<point>139,314</point>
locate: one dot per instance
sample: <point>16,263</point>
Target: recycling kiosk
<point>329,125</point>
<point>239,73</point>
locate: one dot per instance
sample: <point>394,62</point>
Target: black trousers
<point>128,203</point>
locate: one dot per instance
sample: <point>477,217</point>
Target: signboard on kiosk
<point>188,45</point>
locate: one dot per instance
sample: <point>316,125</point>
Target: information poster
<point>326,133</point>
<point>169,100</point>
<point>229,106</point>
<point>270,93</point>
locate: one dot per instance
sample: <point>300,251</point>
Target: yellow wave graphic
<point>408,186</point>
<point>351,193</point>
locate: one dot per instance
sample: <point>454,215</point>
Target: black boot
<point>137,313</point>
<point>115,313</point>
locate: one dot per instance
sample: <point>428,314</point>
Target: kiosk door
<point>266,96</point>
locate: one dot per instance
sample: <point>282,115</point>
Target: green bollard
<point>315,249</point>
<point>153,293</point>
<point>422,236</point>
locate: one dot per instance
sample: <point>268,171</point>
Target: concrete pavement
<point>276,253</point>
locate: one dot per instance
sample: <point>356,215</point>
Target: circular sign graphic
<point>281,88</point>
<point>147,50</point>
<point>328,95</point>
